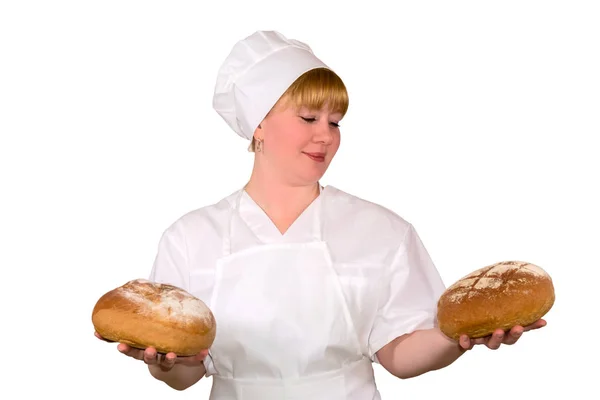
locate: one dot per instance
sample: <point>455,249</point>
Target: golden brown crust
<point>499,296</point>
<point>144,314</point>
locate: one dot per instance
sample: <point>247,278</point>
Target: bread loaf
<point>498,296</point>
<point>145,314</point>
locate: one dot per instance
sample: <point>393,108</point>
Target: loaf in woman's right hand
<point>147,314</point>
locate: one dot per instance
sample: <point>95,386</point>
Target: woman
<point>309,285</point>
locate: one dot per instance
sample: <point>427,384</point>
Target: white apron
<point>283,327</point>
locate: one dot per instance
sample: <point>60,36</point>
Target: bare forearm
<point>180,377</point>
<point>420,352</point>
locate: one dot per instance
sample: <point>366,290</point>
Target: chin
<point>312,179</point>
<point>311,175</point>
<point>305,179</point>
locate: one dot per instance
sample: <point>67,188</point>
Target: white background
<point>477,121</point>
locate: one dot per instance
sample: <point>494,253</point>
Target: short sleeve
<point>170,264</point>
<point>408,296</point>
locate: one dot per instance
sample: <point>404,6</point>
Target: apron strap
<point>318,214</point>
<point>227,235</point>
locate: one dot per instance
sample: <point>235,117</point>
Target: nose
<point>323,132</point>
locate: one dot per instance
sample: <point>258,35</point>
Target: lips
<point>318,157</point>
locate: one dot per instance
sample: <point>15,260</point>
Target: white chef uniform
<point>301,315</point>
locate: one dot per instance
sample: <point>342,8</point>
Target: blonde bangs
<point>316,89</point>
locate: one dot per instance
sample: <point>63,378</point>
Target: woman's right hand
<point>151,357</point>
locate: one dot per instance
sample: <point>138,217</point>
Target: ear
<point>257,133</point>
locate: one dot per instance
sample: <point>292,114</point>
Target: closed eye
<point>311,120</point>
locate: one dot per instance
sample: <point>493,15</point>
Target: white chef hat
<point>257,71</point>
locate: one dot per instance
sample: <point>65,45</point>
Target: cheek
<point>335,144</point>
<point>336,140</point>
<point>290,141</point>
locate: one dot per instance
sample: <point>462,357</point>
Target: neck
<point>279,199</point>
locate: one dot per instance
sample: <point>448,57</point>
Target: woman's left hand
<point>500,337</point>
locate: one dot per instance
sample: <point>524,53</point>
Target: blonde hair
<point>314,89</point>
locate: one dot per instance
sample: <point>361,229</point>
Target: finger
<point>495,340</point>
<point>193,360</point>
<point>465,342</point>
<point>168,361</point>
<point>481,340</point>
<point>203,354</point>
<point>130,351</point>
<point>101,338</point>
<point>123,348</point>
<point>150,356</point>
<point>513,335</point>
<point>200,356</point>
<point>536,325</point>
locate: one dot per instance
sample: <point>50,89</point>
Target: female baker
<point>309,285</point>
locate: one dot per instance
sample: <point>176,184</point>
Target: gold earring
<point>258,146</point>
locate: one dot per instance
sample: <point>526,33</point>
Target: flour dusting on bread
<point>167,300</point>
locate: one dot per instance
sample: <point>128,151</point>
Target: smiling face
<point>300,143</point>
<point>301,134</point>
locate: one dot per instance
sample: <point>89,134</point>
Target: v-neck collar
<point>265,229</point>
